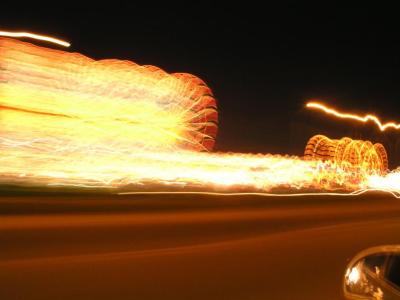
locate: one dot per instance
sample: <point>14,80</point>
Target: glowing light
<point>68,120</point>
<point>45,162</point>
<point>353,275</point>
<point>363,119</point>
<point>348,154</point>
<point>35,36</point>
<point>55,95</point>
<point>389,182</point>
<point>264,194</point>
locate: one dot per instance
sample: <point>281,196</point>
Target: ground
<point>101,246</point>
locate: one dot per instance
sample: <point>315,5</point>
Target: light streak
<point>110,168</point>
<point>308,194</point>
<point>35,37</point>
<point>67,120</point>
<point>363,119</point>
<point>348,154</point>
<point>76,101</point>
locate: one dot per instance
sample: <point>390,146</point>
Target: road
<point>100,246</point>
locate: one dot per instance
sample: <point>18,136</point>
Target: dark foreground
<point>186,246</point>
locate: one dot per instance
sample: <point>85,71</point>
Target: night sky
<point>263,64</point>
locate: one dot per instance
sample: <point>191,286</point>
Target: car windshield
<point>375,263</point>
<point>393,270</point>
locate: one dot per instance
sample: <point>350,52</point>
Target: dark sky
<point>263,64</point>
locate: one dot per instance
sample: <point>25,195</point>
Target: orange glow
<point>44,163</point>
<point>68,120</point>
<point>395,194</point>
<point>363,119</point>
<point>353,275</point>
<point>35,36</point>
<point>55,95</point>
<point>348,154</point>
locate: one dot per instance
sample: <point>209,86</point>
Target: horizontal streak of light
<point>354,193</point>
<point>363,119</point>
<point>35,37</point>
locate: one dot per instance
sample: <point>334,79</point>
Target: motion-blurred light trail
<point>348,154</point>
<point>363,119</point>
<point>45,163</point>
<point>68,120</point>
<point>68,98</point>
<point>354,193</point>
<point>35,37</point>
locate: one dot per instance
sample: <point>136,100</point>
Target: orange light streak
<point>35,37</point>
<point>395,194</point>
<point>348,154</point>
<point>363,119</point>
<point>48,163</point>
<point>71,121</point>
<point>81,101</point>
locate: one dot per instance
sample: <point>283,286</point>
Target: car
<point>374,274</point>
